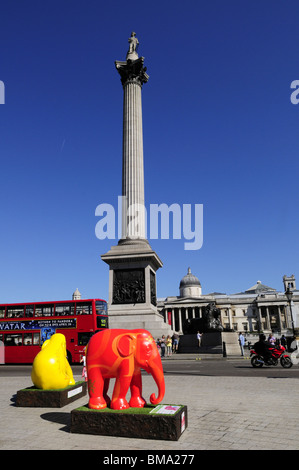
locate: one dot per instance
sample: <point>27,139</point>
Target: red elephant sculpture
<point>120,354</point>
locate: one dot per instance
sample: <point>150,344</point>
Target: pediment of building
<point>181,301</point>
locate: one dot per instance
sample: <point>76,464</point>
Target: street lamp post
<point>289,296</point>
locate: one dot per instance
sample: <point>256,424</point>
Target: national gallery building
<point>258,309</point>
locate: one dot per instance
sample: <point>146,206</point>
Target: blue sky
<point>219,130</point>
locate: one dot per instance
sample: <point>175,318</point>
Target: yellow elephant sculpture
<point>50,368</point>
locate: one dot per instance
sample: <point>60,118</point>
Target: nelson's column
<point>133,264</point>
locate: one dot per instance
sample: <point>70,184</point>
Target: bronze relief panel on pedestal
<point>128,286</point>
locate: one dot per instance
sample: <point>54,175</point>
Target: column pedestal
<point>132,287</point>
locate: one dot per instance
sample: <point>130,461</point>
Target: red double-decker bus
<point>24,327</point>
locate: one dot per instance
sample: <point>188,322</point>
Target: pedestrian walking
<point>83,360</point>
<point>271,339</point>
<point>175,343</point>
<point>241,342</point>
<point>162,346</point>
<point>168,345</point>
<point>283,341</point>
<point>198,336</point>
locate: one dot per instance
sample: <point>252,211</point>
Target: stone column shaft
<point>133,220</point>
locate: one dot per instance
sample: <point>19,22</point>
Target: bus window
<point>102,322</point>
<point>29,309</point>
<point>83,338</point>
<point>36,339</point>
<point>13,339</point>
<point>64,309</point>
<point>27,341</point>
<point>44,310</point>
<point>2,312</point>
<point>101,307</point>
<point>15,312</point>
<point>84,308</point>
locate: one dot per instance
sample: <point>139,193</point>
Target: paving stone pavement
<point>224,413</point>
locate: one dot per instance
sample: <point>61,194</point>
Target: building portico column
<point>259,316</point>
<point>173,319</point>
<point>229,314</point>
<point>180,320</point>
<point>268,319</point>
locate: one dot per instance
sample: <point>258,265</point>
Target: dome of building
<point>76,295</point>
<point>190,285</point>
<point>189,280</point>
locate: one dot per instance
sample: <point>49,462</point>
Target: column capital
<point>132,71</point>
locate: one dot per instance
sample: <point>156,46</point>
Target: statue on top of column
<point>133,45</point>
<point>132,68</point>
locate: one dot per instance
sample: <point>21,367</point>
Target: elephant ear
<point>126,345</point>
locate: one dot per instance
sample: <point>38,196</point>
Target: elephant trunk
<point>156,370</point>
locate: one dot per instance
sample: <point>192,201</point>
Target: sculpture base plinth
<point>33,397</point>
<point>150,422</point>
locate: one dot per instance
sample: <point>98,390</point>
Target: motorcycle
<point>277,354</point>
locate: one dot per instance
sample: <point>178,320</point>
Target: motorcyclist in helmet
<point>263,347</point>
